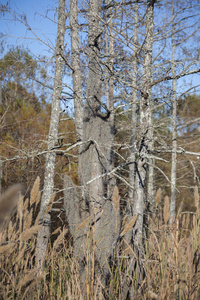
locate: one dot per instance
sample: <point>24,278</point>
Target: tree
<point>24,117</point>
<point>125,113</point>
<point>95,131</point>
<point>145,124</point>
<point>134,114</point>
<point>48,187</point>
<point>174,126</point>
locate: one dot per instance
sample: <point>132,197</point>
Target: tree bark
<point>110,105</point>
<point>43,235</point>
<point>76,66</point>
<point>145,113</point>
<point>96,155</point>
<point>74,195</point>
<point>174,129</point>
<point>133,114</point>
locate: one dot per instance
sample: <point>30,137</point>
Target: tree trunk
<point>174,130</point>
<point>75,211</point>
<point>111,182</point>
<point>133,114</point>
<point>96,156</point>
<point>75,58</point>
<point>1,172</point>
<point>145,113</point>
<point>150,186</point>
<point>43,235</point>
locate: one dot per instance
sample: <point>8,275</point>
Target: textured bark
<point>1,171</point>
<point>110,104</point>
<point>75,211</point>
<point>75,58</point>
<point>96,155</point>
<point>132,170</point>
<point>43,235</point>
<point>92,112</point>
<point>76,214</point>
<point>102,211</point>
<point>133,114</point>
<point>0,159</point>
<point>174,130</point>
<point>145,113</point>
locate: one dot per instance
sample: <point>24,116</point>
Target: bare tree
<point>134,116</point>
<point>110,103</point>
<point>145,123</point>
<point>48,188</point>
<point>174,125</point>
<point>77,75</point>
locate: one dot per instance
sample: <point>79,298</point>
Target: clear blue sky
<point>42,18</point>
<point>36,11</point>
<point>18,34</point>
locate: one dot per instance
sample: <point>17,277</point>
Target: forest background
<point>135,106</point>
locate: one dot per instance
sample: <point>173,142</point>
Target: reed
<point>116,198</point>
<point>166,211</point>
<point>171,260</point>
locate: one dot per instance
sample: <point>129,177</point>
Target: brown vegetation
<point>171,259</point>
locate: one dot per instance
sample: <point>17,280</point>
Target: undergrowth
<point>171,259</point>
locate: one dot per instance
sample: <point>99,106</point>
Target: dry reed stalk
<point>56,231</point>
<point>158,196</point>
<point>194,222</point>
<point>159,250</point>
<point>177,231</point>
<point>128,250</point>
<point>20,255</point>
<point>2,237</point>
<point>9,248</point>
<point>35,191</point>
<point>116,198</point>
<point>25,214</point>
<point>37,201</point>
<point>152,295</point>
<point>60,239</point>
<point>84,223</point>
<point>28,234</point>
<point>49,205</point>
<point>26,279</point>
<point>129,226</point>
<point>20,206</point>
<point>124,221</point>
<point>196,197</point>
<point>28,219</point>
<point>27,261</point>
<point>26,204</point>
<point>184,221</point>
<point>10,230</point>
<point>37,219</point>
<point>187,222</point>
<point>166,212</point>
<point>180,209</point>
<point>32,284</point>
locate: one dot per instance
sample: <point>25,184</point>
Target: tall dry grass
<point>171,259</point>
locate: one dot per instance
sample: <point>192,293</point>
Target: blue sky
<point>46,29</point>
<point>18,34</point>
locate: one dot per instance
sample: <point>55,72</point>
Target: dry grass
<point>116,198</point>
<point>171,259</point>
